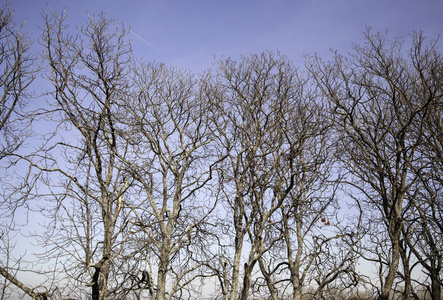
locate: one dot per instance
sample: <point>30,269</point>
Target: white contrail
<point>145,41</point>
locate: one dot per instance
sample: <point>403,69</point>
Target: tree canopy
<point>257,179</point>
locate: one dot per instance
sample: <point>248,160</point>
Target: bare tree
<point>255,98</point>
<point>317,243</point>
<point>16,74</point>
<point>425,236</point>
<point>172,163</point>
<point>153,181</point>
<point>79,161</point>
<point>377,99</point>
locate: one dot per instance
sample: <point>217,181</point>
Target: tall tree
<point>317,247</point>
<point>376,102</point>
<point>254,97</point>
<point>172,163</point>
<point>426,235</point>
<point>17,72</point>
<point>80,161</point>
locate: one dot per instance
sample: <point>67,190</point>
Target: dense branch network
<point>254,180</point>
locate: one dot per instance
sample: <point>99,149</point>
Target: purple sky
<point>190,33</point>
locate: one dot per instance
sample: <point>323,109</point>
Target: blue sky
<point>190,33</point>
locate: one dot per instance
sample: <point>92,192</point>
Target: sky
<point>191,34</point>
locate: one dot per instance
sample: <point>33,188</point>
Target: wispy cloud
<point>145,41</point>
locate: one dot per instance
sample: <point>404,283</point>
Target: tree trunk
<point>247,280</point>
<point>161,282</point>
<point>297,294</point>
<point>407,274</point>
<point>103,279</point>
<point>236,267</point>
<point>435,285</point>
<point>162,271</point>
<point>95,287</point>
<point>393,267</point>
